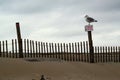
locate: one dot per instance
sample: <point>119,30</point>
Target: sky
<point>61,20</point>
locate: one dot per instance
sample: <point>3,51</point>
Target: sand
<point>20,69</point>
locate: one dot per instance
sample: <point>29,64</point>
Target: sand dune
<point>20,69</point>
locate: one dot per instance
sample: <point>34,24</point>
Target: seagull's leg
<point>89,24</point>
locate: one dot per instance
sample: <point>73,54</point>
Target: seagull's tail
<point>95,21</point>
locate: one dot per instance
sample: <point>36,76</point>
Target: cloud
<point>32,6</point>
<point>60,20</point>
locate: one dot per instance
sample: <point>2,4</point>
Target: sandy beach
<point>20,69</point>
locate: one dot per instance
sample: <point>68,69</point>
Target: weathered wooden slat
<point>47,53</point>
<point>25,52</point>
<point>87,51</point>
<point>98,58</point>
<point>81,51</point>
<point>70,52</point>
<point>12,48</point>
<point>31,48</point>
<point>108,54</point>
<point>59,55</point>
<point>64,51</point>
<point>111,53</point>
<point>42,49</point>
<point>36,46</point>
<point>16,48</point>
<point>67,54</point>
<point>61,51</point>
<point>119,53</point>
<point>52,50</point>
<point>103,53</point>
<point>95,54</point>
<point>0,49</point>
<point>76,52</point>
<point>39,49</point>
<point>6,48</point>
<point>28,49</point>
<point>73,53</point>
<point>116,54</point>
<point>55,51</point>
<point>84,52</point>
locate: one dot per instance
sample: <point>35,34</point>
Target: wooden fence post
<point>19,40</point>
<point>91,47</point>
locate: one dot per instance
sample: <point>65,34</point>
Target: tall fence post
<point>91,47</point>
<point>19,40</point>
<point>89,28</point>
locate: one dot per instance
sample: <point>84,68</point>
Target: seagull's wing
<point>90,19</point>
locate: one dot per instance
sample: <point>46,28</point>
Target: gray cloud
<point>60,20</point>
<point>35,6</point>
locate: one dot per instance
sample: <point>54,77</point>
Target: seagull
<point>89,19</point>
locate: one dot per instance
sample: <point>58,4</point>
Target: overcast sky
<point>61,20</point>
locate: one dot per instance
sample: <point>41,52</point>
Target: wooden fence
<point>78,51</point>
